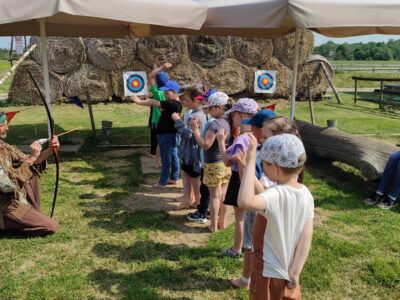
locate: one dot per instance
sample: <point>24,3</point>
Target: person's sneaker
<point>239,283</point>
<point>388,204</point>
<point>197,217</point>
<point>375,199</point>
<point>232,253</point>
<point>208,216</point>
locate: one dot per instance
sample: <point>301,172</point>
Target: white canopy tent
<point>92,18</point>
<point>251,18</point>
<point>276,18</point>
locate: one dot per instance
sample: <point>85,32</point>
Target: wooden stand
<point>89,103</point>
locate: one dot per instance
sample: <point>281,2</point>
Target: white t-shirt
<point>287,210</point>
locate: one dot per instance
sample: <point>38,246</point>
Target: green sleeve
<point>157,94</point>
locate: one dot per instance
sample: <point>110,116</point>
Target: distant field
<point>4,67</point>
<point>365,62</point>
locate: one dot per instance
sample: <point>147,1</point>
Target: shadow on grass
<point>344,189</point>
<point>170,267</point>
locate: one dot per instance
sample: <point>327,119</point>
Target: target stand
<point>135,83</point>
<point>265,82</point>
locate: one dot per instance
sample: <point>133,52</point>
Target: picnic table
<point>380,100</point>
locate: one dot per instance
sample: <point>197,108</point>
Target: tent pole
<point>294,74</point>
<point>45,65</point>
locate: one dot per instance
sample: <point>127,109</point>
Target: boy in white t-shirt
<point>289,210</point>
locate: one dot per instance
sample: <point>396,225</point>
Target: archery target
<point>265,81</point>
<point>135,83</point>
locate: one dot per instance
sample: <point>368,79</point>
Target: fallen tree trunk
<point>367,155</point>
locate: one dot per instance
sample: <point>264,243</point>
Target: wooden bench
<point>380,101</point>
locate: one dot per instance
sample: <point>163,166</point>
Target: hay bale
<point>110,54</point>
<point>312,76</point>
<point>64,54</point>
<point>23,90</point>
<point>88,79</point>
<point>230,77</point>
<point>252,52</point>
<point>117,80</point>
<point>283,78</point>
<point>162,48</point>
<point>284,47</point>
<point>188,72</point>
<point>208,51</point>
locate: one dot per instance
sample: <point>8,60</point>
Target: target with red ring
<point>135,83</point>
<point>265,81</point>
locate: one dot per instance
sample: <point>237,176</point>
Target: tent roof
<point>117,18</point>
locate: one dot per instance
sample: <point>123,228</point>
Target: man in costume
<point>20,186</point>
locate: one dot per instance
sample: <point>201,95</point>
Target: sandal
<point>184,205</point>
<point>232,253</point>
<point>159,186</point>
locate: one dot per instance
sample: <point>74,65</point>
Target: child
<point>166,133</point>
<point>390,182</point>
<point>256,124</point>
<point>289,210</point>
<point>200,215</point>
<point>157,79</point>
<point>216,174</point>
<point>243,109</point>
<point>189,150</point>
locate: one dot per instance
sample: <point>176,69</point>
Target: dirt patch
<point>118,181</point>
<point>190,234</point>
<point>121,153</point>
<point>117,163</point>
<point>321,215</point>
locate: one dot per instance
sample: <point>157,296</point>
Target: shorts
<point>249,217</point>
<point>216,174</point>
<point>271,288</point>
<point>189,169</point>
<point>232,192</point>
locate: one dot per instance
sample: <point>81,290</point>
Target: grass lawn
<point>119,239</point>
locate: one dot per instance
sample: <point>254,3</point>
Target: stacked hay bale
<point>94,67</point>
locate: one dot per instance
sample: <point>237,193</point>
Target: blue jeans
<point>391,177</point>
<point>169,157</point>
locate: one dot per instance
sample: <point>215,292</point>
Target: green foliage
<point>360,51</point>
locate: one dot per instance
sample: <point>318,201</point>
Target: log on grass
<point>367,155</point>
<point>110,54</point>
<point>64,54</point>
<point>208,51</point>
<point>230,76</point>
<point>284,47</point>
<point>88,79</point>
<point>23,90</point>
<point>162,48</point>
<point>252,52</point>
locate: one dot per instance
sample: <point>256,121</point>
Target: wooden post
<point>311,107</point>
<point>355,90</point>
<point>331,84</point>
<point>10,54</point>
<point>89,102</point>
<point>381,96</point>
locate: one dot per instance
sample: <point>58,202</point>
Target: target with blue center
<point>135,83</point>
<point>265,81</point>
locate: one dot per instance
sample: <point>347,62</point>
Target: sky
<point>318,39</point>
